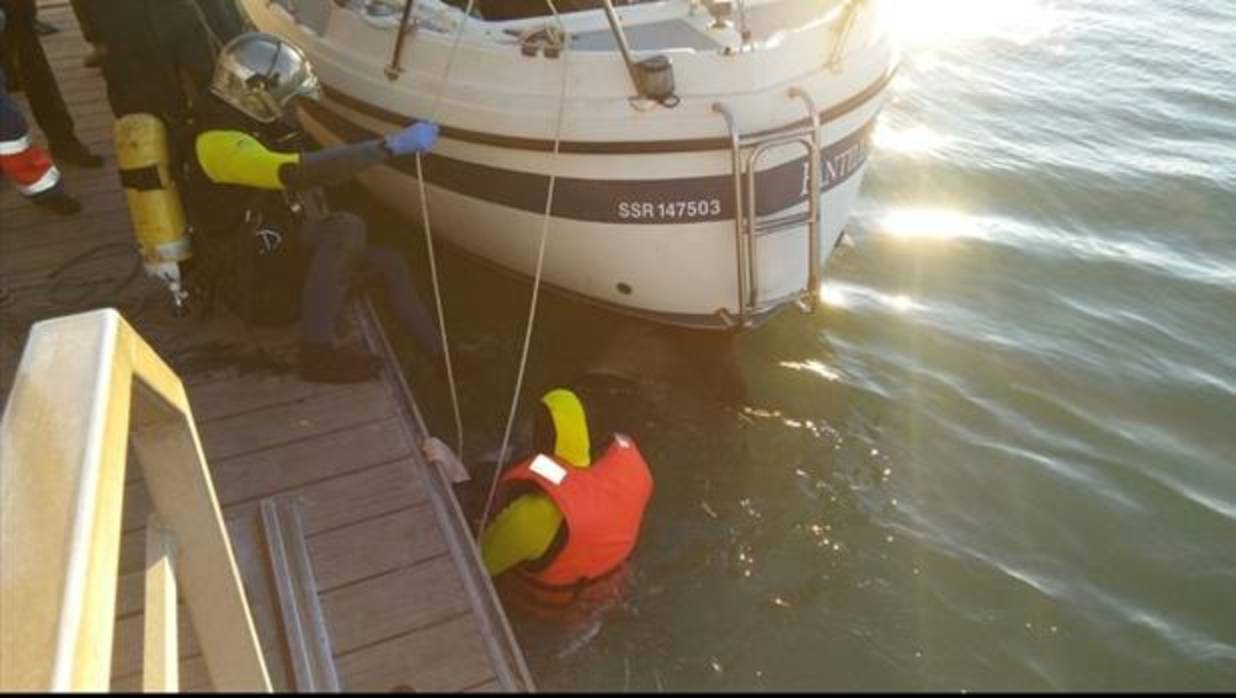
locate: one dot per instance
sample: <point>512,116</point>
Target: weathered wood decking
<point>406,603</point>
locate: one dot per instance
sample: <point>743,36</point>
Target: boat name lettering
<point>635,210</point>
<point>843,164</point>
<point>836,167</point>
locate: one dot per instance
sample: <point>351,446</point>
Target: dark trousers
<point>85,11</point>
<point>224,18</point>
<point>159,56</point>
<point>342,258</point>
<point>22,47</point>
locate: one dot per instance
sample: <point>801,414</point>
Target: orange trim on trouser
<point>30,168</point>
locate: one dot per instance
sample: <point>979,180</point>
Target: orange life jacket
<point>602,507</point>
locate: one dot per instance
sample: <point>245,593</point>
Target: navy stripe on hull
<point>679,200</point>
<point>678,145</point>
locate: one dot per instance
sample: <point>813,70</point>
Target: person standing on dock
<point>87,20</point>
<point>160,54</point>
<point>22,50</point>
<point>246,173</point>
<point>567,521</point>
<point>27,165</point>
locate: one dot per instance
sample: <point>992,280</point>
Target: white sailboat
<point>686,149</point>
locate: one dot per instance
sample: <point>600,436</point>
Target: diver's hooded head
<point>560,427</point>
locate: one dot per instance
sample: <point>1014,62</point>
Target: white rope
<point>836,61</point>
<point>433,265</point>
<point>536,282</point>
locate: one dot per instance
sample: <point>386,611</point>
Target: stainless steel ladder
<point>749,226</point>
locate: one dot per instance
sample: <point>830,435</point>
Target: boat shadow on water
<point>486,312</point>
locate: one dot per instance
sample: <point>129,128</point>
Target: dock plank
<point>127,643</point>
<point>340,502</point>
<point>380,607</point>
<point>372,547</point>
<point>130,591</point>
<point>337,503</point>
<point>95,203</point>
<point>247,414</point>
<point>289,468</point>
<point>18,262</point>
<point>444,657</point>
<point>237,395</point>
<point>194,678</point>
<point>294,421</point>
<point>21,216</point>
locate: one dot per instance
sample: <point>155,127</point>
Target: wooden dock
<point>393,576</point>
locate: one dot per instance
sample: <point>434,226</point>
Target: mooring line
<point>536,282</point>
<point>433,264</point>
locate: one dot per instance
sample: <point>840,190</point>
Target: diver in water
<point>569,515</point>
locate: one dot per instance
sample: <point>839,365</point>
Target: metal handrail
<point>755,225</point>
<point>740,228</point>
<point>815,183</point>
<point>88,386</point>
<point>395,68</point>
<point>745,153</point>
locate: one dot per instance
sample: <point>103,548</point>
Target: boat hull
<point>643,226</point>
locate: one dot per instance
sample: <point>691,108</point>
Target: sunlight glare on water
<point>921,23</point>
<point>812,366</point>
<point>929,223</point>
<point>911,140</point>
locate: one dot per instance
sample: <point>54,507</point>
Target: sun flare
<point>930,223</point>
<point>942,22</point>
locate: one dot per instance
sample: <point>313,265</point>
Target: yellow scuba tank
<point>154,202</point>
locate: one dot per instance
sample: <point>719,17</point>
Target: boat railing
<point>746,152</point>
<point>87,387</point>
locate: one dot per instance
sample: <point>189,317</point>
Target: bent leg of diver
<point>402,295</point>
<point>338,243</point>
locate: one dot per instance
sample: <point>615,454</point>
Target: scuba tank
<point>155,206</point>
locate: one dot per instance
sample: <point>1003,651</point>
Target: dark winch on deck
<point>356,562</point>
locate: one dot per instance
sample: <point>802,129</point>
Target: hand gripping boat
<point>708,152</point>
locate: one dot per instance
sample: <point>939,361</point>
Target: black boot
<point>58,202</point>
<point>74,152</point>
<point>321,363</point>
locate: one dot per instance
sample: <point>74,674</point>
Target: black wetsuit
<point>244,176</point>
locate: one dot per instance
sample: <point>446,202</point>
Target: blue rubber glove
<point>417,138</point>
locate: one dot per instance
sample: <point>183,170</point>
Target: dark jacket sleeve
<point>332,166</point>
